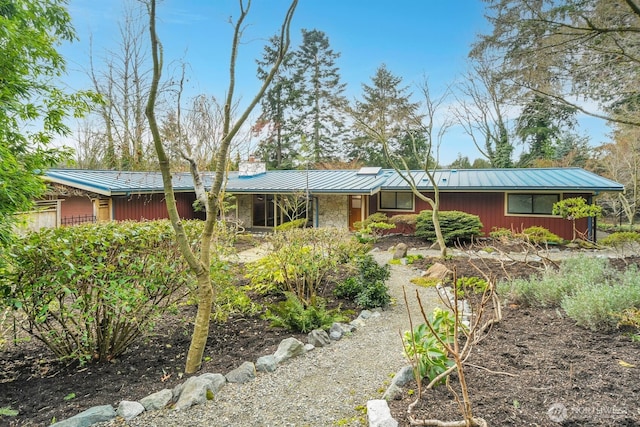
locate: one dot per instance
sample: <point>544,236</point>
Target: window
<point>531,204</point>
<point>396,201</point>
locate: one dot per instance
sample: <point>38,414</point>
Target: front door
<point>356,207</point>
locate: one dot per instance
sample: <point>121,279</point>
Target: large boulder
<point>157,400</point>
<point>438,271</point>
<point>242,374</point>
<point>288,348</point>
<point>319,338</point>
<point>197,390</point>
<point>400,251</point>
<point>89,417</point>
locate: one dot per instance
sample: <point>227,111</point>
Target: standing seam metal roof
<point>343,181</point>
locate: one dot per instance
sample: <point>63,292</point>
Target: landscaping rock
<point>242,374</point>
<point>157,400</point>
<point>403,376</point>
<point>288,348</point>
<point>393,392</point>
<point>400,251</point>
<point>266,363</point>
<point>438,271</point>
<point>335,335</point>
<point>197,390</point>
<point>379,415</point>
<point>91,416</point>
<point>309,347</point>
<point>128,409</point>
<point>364,314</point>
<point>319,338</point>
<point>358,323</point>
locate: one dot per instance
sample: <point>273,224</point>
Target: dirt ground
<point>535,368</point>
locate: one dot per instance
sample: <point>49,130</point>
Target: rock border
<point>197,390</point>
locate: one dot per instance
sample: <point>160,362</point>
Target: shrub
<point>375,294</point>
<point>549,289</point>
<point>599,306</point>
<point>300,260</point>
<point>409,220</point>
<point>455,225</point>
<point>501,233</point>
<point>541,235</point>
<point>88,291</point>
<point>473,284</point>
<point>368,288</point>
<point>621,241</point>
<point>421,346</point>
<point>296,223</point>
<point>373,226</point>
<point>294,315</point>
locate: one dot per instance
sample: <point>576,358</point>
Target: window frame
<point>396,208</point>
<point>532,197</point>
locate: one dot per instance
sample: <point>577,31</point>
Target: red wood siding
<point>76,206</point>
<point>490,207</point>
<point>150,206</point>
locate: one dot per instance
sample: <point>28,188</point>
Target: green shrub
<point>501,233</point>
<point>426,282</point>
<point>368,288</point>
<point>296,223</point>
<point>423,347</point>
<point>294,315</point>
<point>599,306</point>
<point>541,235</point>
<point>375,294</point>
<point>300,261</point>
<point>549,289</point>
<point>455,225</point>
<point>88,291</point>
<point>405,219</point>
<point>475,285</point>
<point>621,241</point>
<point>371,228</point>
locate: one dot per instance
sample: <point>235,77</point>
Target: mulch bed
<point>554,363</point>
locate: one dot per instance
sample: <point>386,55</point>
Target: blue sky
<point>414,38</point>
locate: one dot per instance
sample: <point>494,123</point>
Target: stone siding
<point>333,211</point>
<point>244,203</point>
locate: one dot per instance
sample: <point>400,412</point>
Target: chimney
<point>251,168</point>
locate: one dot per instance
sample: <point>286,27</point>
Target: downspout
<point>316,217</point>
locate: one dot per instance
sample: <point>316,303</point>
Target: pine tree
<point>320,101</point>
<point>386,112</point>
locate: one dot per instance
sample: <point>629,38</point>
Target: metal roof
<point>111,183</point>
<point>529,179</point>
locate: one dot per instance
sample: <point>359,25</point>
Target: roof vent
<point>369,170</point>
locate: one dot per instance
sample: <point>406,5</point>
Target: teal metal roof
<point>529,179</point>
<point>317,181</point>
<point>111,183</point>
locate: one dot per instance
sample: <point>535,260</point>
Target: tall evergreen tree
<point>320,101</point>
<point>274,124</point>
<point>387,112</point>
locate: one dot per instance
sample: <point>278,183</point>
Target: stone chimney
<point>251,167</point>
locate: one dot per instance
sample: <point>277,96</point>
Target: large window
<point>396,201</point>
<point>531,204</point>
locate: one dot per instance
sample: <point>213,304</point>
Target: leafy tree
<point>540,126</point>
<point>574,209</point>
<point>320,95</point>
<point>200,262</point>
<point>461,162</point>
<point>386,119</point>
<point>33,109</point>
<point>569,51</point>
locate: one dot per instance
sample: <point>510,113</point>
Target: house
<point>509,198</point>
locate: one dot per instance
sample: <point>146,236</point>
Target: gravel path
<point>325,387</point>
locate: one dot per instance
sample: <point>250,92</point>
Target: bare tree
<point>200,262</point>
<point>482,112</point>
<point>123,81</point>
<point>419,128</point>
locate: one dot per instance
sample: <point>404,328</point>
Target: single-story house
<point>509,198</point>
